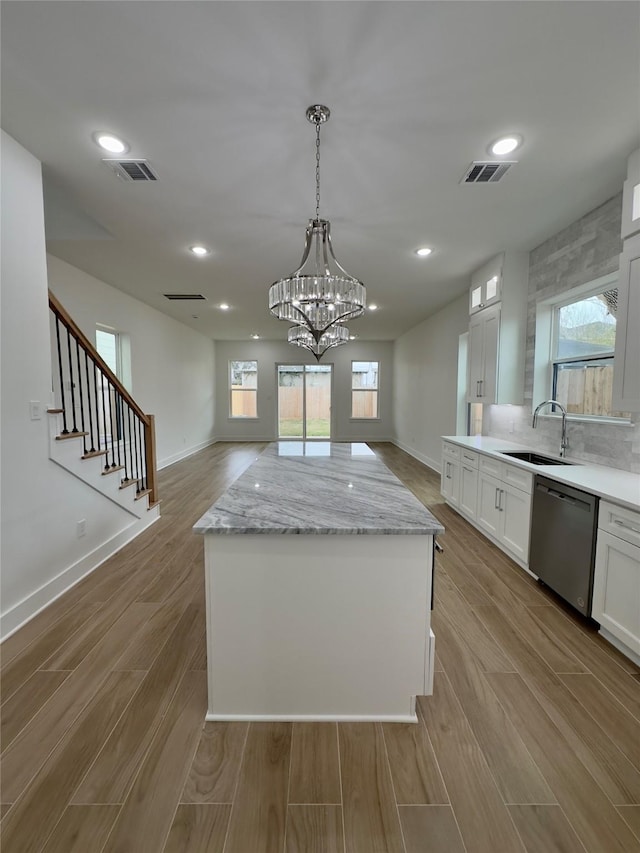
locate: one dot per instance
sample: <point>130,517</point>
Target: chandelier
<point>320,296</point>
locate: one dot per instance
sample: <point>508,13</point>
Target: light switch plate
<point>35,410</point>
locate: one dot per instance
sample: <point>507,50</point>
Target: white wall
<point>41,503</point>
<point>172,366</point>
<point>425,382</point>
<point>270,353</point>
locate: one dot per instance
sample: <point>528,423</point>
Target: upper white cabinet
<point>497,333</point>
<point>486,285</point>
<point>631,198</point>
<point>626,376</point>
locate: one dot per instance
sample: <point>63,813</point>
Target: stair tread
<point>126,483</point>
<point>143,493</point>
<point>64,437</point>
<point>55,411</point>
<point>113,470</point>
<point>91,454</point>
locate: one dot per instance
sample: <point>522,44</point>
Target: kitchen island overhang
<point>318,570</point>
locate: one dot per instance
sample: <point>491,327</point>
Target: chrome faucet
<point>563,441</point>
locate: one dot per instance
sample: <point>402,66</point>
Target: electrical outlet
<point>81,528</point>
<point>35,410</point>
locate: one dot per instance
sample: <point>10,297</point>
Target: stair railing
<point>96,406</point>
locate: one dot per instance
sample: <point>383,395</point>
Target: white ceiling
<point>214,95</point>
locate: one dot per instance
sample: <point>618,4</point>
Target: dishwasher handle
<point>561,496</point>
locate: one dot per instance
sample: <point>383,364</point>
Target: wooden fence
<point>586,390</point>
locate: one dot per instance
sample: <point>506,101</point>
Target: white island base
<point>318,627</point>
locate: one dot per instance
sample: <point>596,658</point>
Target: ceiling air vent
<point>480,172</point>
<point>132,170</point>
<point>176,297</point>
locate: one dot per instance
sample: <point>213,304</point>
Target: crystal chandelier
<point>320,296</point>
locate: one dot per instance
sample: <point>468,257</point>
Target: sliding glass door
<point>304,401</point>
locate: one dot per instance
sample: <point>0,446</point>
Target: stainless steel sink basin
<point>534,458</point>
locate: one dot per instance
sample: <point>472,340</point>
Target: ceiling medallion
<point>320,296</point>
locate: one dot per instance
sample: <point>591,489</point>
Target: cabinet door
<point>450,484</point>
<point>490,342</point>
<point>515,507</point>
<point>468,490</point>
<point>488,510</point>
<point>476,369</point>
<point>626,376</point>
<point>616,589</point>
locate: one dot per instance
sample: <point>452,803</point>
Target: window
<point>364,389</point>
<point>108,347</point>
<point>243,387</point>
<point>583,343</point>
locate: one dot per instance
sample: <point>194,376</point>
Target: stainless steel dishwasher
<point>563,540</point>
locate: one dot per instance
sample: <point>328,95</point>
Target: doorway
<point>304,401</point>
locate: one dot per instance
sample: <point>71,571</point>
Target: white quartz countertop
<point>318,487</point>
<point>612,484</point>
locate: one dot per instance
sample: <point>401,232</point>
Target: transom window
<point>583,344</point>
<point>364,389</point>
<point>243,389</point>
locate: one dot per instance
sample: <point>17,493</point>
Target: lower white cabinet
<point>616,581</point>
<point>504,512</point>
<point>450,481</point>
<point>493,495</point>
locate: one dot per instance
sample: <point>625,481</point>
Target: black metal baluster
<point>130,445</point>
<point>143,456</point>
<point>119,434</point>
<point>71,382</point>
<point>97,402</point>
<point>84,437</point>
<point>104,421</point>
<point>135,442</point>
<point>65,431</point>
<point>113,449</point>
<point>86,370</point>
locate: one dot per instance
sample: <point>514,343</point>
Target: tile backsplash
<point>616,445</point>
<point>587,249</point>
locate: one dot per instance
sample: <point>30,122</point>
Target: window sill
<point>589,419</point>
<point>241,418</point>
<point>366,419</point>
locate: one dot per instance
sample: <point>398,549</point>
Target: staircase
<point>97,430</point>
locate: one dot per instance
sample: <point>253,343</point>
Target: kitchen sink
<point>534,458</point>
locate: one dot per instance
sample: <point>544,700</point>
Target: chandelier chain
<point>318,170</point>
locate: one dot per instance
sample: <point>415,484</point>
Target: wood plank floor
<point>530,743</point>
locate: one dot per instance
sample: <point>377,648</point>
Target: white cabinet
<point>486,285</point>
<point>468,483</point>
<point>626,376</point>
<point>484,331</point>
<point>631,198</point>
<point>450,481</point>
<point>616,582</point>
<point>504,506</point>
<point>497,333</point>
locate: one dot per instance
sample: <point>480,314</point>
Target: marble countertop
<point>611,484</point>
<point>298,487</point>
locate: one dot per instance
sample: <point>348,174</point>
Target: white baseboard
<point>183,454</point>
<point>620,646</point>
<point>34,603</point>
<point>312,718</point>
<point>426,460</point>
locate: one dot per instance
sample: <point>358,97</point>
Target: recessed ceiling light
<point>255,337</point>
<point>200,251</point>
<point>110,143</point>
<point>373,307</point>
<point>223,306</point>
<point>506,144</point>
<point>424,251</point>
<point>352,337</point>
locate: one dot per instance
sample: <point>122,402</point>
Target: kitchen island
<point>318,570</point>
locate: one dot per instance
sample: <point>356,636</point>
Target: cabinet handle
<point>626,526</point>
<point>477,387</point>
<point>446,471</point>
<point>496,504</point>
<point>500,507</point>
<point>470,470</point>
<point>481,381</point>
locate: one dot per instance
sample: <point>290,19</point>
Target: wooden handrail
<point>148,421</point>
<point>88,347</point>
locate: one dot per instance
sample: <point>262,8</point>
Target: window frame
<point>546,338</point>
<point>375,417</point>
<point>230,368</point>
